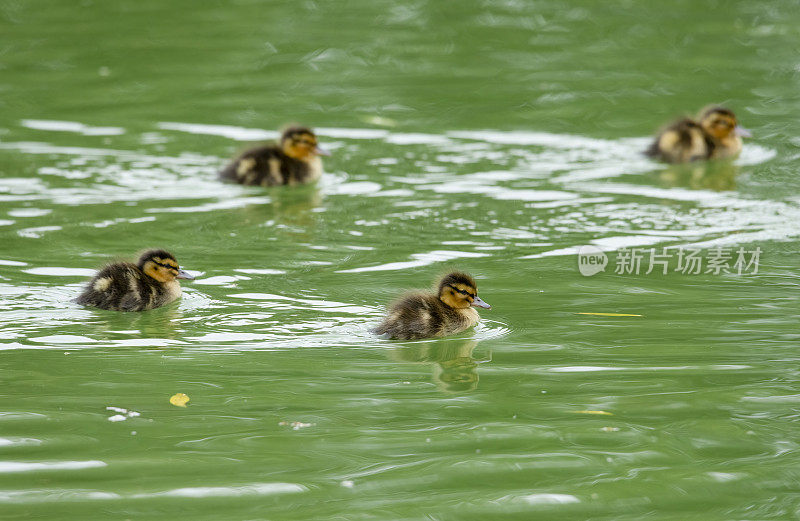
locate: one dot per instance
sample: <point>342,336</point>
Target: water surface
<point>492,137</point>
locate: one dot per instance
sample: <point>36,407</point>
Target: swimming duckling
<point>425,314</point>
<point>715,135</point>
<point>124,286</point>
<point>295,160</point>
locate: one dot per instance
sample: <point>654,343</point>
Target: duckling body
<point>293,161</point>
<point>124,286</point>
<point>681,142</point>
<point>427,314</point>
<point>714,135</point>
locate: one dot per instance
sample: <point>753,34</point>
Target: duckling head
<point>458,290</point>
<point>301,143</point>
<point>721,123</point>
<point>162,266</point>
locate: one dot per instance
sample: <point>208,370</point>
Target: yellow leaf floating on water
<point>179,399</point>
<point>604,413</point>
<point>611,314</point>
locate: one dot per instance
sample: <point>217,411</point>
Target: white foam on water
<point>8,442</point>
<point>34,147</point>
<point>607,244</point>
<point>29,212</point>
<point>786,398</point>
<point>354,188</point>
<point>40,495</point>
<point>54,271</point>
<point>549,499</point>
<point>417,139</point>
<point>420,259</point>
<point>18,466</point>
<point>12,263</point>
<point>225,204</point>
<point>253,489</point>
<point>71,126</point>
<point>318,304</point>
<point>37,232</point>
<point>220,280</point>
<point>352,133</point>
<point>255,271</point>
<point>230,337</point>
<point>63,339</point>
<point>592,369</point>
<point>228,131</point>
<point>54,495</point>
<point>726,477</point>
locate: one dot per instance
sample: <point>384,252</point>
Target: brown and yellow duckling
<point>423,314</point>
<point>714,135</point>
<point>124,286</point>
<point>295,160</point>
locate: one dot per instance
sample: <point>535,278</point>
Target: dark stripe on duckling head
<point>462,291</point>
<point>160,257</point>
<point>297,131</point>
<point>717,110</point>
<point>457,277</point>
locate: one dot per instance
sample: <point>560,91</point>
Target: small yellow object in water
<point>610,314</point>
<point>179,399</point>
<point>595,412</point>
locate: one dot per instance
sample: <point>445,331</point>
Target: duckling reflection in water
<point>295,160</point>
<point>714,135</point>
<point>124,286</point>
<point>160,326</point>
<point>426,314</point>
<point>707,175</point>
<point>454,367</point>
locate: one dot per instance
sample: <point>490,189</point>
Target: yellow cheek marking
<point>102,284</point>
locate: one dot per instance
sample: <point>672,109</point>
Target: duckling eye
<point>307,142</point>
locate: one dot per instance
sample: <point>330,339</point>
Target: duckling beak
<point>321,151</point>
<point>184,275</point>
<point>478,303</point>
<point>741,131</point>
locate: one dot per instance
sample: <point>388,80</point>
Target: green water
<point>495,137</point>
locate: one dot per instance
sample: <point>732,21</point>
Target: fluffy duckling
<point>714,135</point>
<point>295,160</point>
<point>124,286</point>
<point>425,314</point>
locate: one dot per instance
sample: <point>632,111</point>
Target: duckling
<point>714,135</point>
<point>425,314</point>
<point>124,286</point>
<point>295,160</point>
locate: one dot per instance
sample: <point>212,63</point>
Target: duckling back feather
<point>269,166</point>
<point>681,142</point>
<point>124,286</point>
<point>423,315</point>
